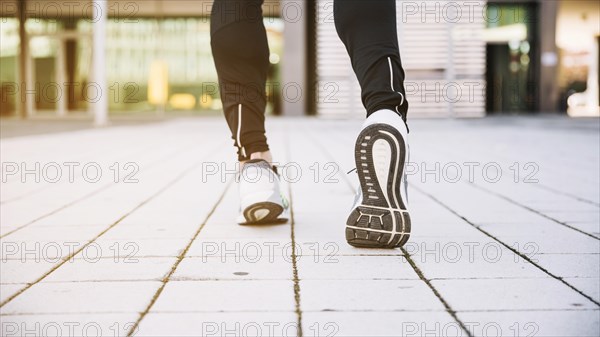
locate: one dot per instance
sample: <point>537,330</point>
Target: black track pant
<point>239,45</point>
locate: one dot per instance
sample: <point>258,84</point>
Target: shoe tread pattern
<point>371,224</point>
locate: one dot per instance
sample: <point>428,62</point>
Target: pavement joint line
<point>65,206</point>
<point>291,311</point>
<point>25,195</point>
<point>158,279</point>
<point>489,278</point>
<point>530,310</point>
<point>584,200</point>
<point>66,313</point>
<point>296,280</point>
<point>329,156</point>
<point>416,269</point>
<point>103,281</point>
<point>44,187</point>
<point>437,294</point>
<point>180,258</point>
<point>538,185</point>
<point>145,257</point>
<point>523,256</point>
<point>568,253</point>
<point>516,203</point>
<point>131,211</point>
<point>88,195</point>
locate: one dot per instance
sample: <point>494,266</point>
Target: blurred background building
<point>463,58</point>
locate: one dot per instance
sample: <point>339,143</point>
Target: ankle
<point>266,156</point>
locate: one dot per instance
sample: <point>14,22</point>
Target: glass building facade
<point>152,64</point>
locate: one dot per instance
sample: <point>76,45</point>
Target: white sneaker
<point>261,201</point>
<point>379,217</point>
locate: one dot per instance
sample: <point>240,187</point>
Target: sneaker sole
<point>262,213</point>
<point>381,221</point>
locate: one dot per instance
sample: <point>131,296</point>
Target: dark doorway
<point>512,63</point>
<point>46,85</point>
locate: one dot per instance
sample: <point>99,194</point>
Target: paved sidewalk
<point>130,230</point>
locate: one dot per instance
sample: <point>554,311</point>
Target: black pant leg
<point>241,56</point>
<point>368,30</point>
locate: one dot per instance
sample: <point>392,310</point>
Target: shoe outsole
<point>381,221</point>
<point>263,213</point>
